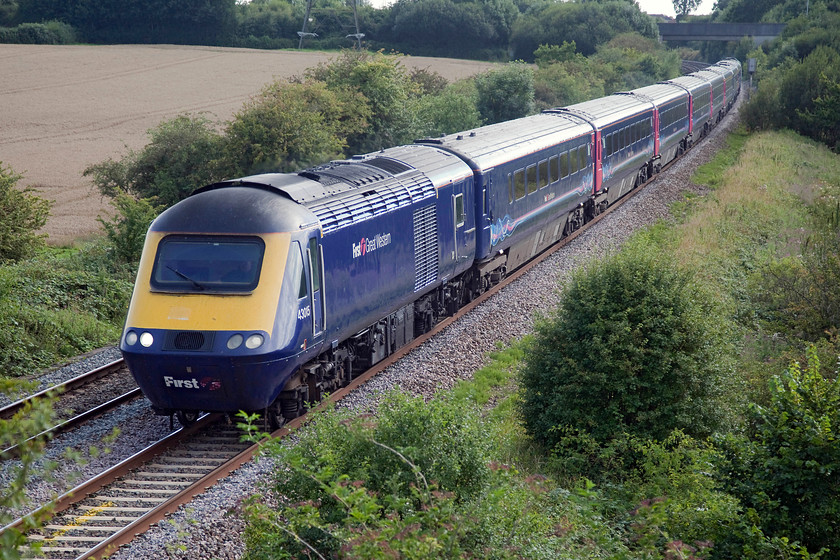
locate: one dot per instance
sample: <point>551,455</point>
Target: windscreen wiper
<point>185,277</point>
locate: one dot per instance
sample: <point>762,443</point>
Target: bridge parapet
<point>760,32</point>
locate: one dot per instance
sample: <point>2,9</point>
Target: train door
<point>315,263</point>
<point>464,222</point>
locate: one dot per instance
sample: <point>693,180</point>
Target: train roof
<point>607,110</point>
<point>495,144</point>
<point>659,94</point>
<point>348,191</point>
<point>692,83</point>
<point>709,75</point>
<point>236,208</point>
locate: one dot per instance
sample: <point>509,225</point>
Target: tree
<point>636,347</point>
<point>506,93</point>
<point>387,102</point>
<point>289,126</point>
<point>23,214</point>
<point>183,154</point>
<point>685,7</point>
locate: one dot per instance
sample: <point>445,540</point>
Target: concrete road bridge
<point>759,32</point>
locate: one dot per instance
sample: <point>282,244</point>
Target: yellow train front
<point>220,313</point>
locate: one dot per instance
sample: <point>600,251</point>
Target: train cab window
<point>554,168</point>
<point>459,210</point>
<point>532,178</point>
<point>519,183</point>
<point>314,265</point>
<point>564,164</point>
<point>203,263</point>
<point>543,173</point>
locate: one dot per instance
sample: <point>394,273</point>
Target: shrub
<point>787,467</point>
<point>505,94</point>
<point>126,231</point>
<point>182,155</point>
<point>292,125</point>
<point>636,346</point>
<point>23,215</point>
<point>48,33</point>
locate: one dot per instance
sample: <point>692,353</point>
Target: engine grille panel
<point>425,247</point>
<point>189,341</point>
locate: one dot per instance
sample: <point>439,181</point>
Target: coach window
<point>532,178</point>
<point>573,162</point>
<point>519,183</point>
<point>510,188</point>
<point>564,165</point>
<point>608,145</point>
<point>582,157</point>
<point>543,173</point>
<point>554,168</point>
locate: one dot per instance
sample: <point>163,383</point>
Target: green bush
<point>182,155</point>
<point>48,33</point>
<point>289,126</point>
<point>787,467</point>
<point>23,215</point>
<point>505,94</point>
<point>126,231</point>
<point>635,347</point>
<point>54,307</point>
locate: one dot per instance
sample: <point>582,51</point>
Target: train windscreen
<point>200,264</point>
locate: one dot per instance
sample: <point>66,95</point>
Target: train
<point>263,293</point>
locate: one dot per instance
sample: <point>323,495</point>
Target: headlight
<point>130,338</point>
<point>234,342</point>
<point>146,339</point>
<point>254,341</point>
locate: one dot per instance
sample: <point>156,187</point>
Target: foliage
<point>588,24</point>
<point>459,28</point>
<point>346,513</point>
<point>57,306</point>
<point>787,465</point>
<point>47,33</point>
<point>186,22</point>
<point>684,7</point>
<point>450,111</point>
<point>387,102</point>
<point>34,419</point>
<point>636,346</point>
<point>289,126</point>
<point>23,214</point>
<point>506,93</point>
<point>126,230</point>
<point>183,154</point>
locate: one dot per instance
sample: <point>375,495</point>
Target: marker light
<point>234,342</point>
<point>254,341</point>
<point>146,339</point>
<point>130,338</point>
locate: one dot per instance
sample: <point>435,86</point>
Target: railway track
<point>71,398</point>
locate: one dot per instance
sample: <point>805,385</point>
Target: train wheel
<point>274,416</point>
<point>187,417</point>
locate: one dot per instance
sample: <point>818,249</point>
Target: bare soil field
<point>63,108</point>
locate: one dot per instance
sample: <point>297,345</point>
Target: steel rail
<point>10,410</point>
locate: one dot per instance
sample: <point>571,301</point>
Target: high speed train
<point>261,293</point>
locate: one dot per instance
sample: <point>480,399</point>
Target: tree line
<point>485,29</point>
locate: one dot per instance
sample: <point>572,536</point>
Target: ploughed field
<point>63,108</point>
